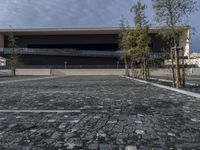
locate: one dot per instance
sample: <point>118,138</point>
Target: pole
<point>65,64</point>
<point>117,64</point>
<point>183,68</point>
<point>126,66</point>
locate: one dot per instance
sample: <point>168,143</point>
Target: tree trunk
<point>126,66</point>
<point>178,80</point>
<point>132,70</point>
<point>173,71</point>
<point>142,68</point>
<point>12,69</point>
<point>183,68</point>
<point>148,69</point>
<point>145,71</point>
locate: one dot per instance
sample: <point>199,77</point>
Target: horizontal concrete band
<point>40,111</point>
<point>167,87</point>
<point>62,72</point>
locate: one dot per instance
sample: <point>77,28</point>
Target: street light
<point>117,64</point>
<point>65,64</point>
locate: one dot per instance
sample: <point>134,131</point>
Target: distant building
<point>86,47</point>
<point>194,55</point>
<point>2,61</point>
<point>194,59</point>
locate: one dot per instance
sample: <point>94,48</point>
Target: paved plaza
<point>96,112</point>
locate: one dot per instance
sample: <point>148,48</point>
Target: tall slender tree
<point>14,58</point>
<point>140,45</point>
<point>125,43</point>
<point>171,13</point>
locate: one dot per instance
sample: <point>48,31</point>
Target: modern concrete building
<point>86,47</point>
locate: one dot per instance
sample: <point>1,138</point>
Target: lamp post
<point>65,64</point>
<point>117,64</point>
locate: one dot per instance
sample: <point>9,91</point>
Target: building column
<point>185,42</point>
<point>1,41</point>
<point>187,46</point>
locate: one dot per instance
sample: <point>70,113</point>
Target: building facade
<point>87,47</point>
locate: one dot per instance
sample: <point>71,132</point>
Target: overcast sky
<point>76,14</point>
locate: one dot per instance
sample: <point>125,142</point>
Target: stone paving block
<point>129,147</point>
<point>129,113</point>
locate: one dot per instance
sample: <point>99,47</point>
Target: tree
<point>14,58</point>
<point>140,40</point>
<point>171,13</point>
<point>125,43</point>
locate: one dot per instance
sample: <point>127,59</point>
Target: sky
<point>78,14</point>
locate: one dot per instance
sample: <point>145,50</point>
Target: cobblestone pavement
<point>6,78</point>
<point>107,112</point>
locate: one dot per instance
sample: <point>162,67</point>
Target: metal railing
<point>71,52</point>
<point>61,52</point>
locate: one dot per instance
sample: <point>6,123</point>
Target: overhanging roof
<point>69,31</point>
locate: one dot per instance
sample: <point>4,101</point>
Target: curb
<point>166,87</point>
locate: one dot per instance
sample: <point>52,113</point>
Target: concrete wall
<point>161,72</point>
<point>195,71</point>
<point>5,72</point>
<point>38,72</point>
<point>63,72</point>
<point>185,42</point>
<point>70,72</point>
<point>168,72</point>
